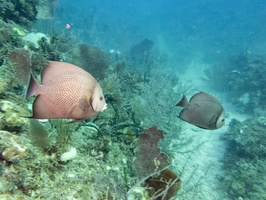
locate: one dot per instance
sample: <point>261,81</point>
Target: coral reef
<point>242,78</point>
<point>93,60</point>
<point>11,116</point>
<point>137,192</point>
<point>140,55</point>
<point>39,135</point>
<point>149,159</point>
<point>11,148</point>
<point>45,9</point>
<point>21,64</point>
<point>92,159</point>
<point>9,39</point>
<point>19,11</point>
<point>165,186</point>
<point>244,159</point>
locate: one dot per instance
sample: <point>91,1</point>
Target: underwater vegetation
<point>103,157</point>
<point>151,165</point>
<point>21,64</point>
<point>18,11</point>
<point>244,160</point>
<point>9,39</point>
<point>242,78</point>
<point>23,13</point>
<point>139,54</point>
<point>51,159</point>
<point>92,58</point>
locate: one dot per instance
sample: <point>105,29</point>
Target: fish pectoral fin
<point>84,103</point>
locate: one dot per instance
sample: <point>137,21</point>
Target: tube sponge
<point>72,153</point>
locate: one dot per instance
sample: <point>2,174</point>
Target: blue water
<point>182,29</point>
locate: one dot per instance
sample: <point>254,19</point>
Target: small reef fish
<point>68,26</point>
<point>202,110</point>
<point>66,91</point>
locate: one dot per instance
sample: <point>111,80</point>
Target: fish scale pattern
<point>67,92</point>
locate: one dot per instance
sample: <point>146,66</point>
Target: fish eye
<point>101,98</point>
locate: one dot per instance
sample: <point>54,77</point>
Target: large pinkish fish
<point>202,110</point>
<point>66,91</point>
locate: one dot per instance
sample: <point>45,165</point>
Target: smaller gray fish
<point>202,110</point>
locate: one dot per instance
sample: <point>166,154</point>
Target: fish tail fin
<point>183,102</point>
<point>32,87</point>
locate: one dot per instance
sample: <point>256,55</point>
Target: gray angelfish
<point>202,110</point>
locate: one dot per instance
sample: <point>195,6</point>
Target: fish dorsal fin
<point>201,96</point>
<point>183,102</point>
<point>54,69</point>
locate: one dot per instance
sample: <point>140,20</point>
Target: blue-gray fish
<point>202,110</point>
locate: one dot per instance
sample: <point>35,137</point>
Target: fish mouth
<point>104,107</point>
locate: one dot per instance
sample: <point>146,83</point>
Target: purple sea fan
<point>149,157</point>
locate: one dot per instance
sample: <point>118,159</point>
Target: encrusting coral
<point>11,114</point>
<point>11,148</point>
